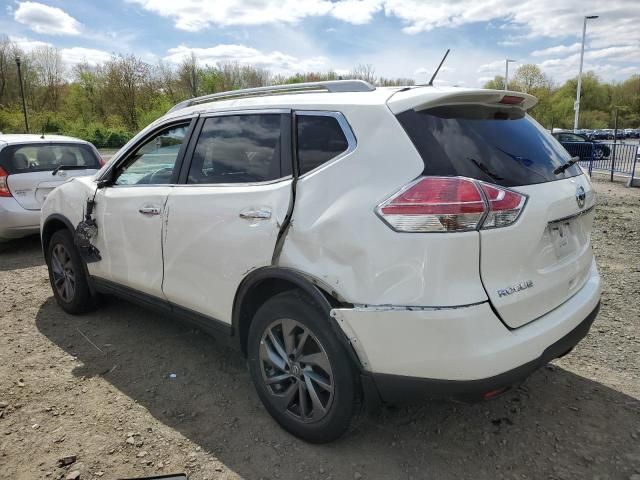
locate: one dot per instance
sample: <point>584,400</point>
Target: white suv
<point>357,244</point>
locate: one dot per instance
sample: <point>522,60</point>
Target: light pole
<point>507,61</point>
<point>24,103</point>
<point>576,106</point>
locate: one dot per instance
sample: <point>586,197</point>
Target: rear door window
<point>238,149</point>
<point>494,144</point>
<point>47,156</point>
<point>320,139</point>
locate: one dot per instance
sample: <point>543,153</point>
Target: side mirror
<point>107,179</point>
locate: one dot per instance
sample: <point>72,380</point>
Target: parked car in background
<point>581,146</point>
<point>332,231</point>
<point>31,166</point>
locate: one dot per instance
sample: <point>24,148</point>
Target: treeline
<point>598,100</point>
<point>107,103</point>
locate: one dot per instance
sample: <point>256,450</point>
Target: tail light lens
<point>4,186</point>
<point>505,206</point>
<point>450,204</point>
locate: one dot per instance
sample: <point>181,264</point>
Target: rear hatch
<point>533,265</point>
<point>34,170</point>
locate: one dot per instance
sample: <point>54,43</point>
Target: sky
<point>400,38</point>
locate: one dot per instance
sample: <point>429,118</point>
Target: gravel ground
<point>100,388</point>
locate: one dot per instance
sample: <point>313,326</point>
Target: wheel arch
<point>263,283</point>
<point>52,224</point>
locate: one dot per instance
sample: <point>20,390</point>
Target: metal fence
<point>611,157</point>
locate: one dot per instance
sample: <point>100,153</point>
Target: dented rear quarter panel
<point>336,236</point>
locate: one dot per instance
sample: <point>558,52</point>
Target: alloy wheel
<point>64,276</point>
<point>296,370</point>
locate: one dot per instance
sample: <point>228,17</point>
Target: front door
<point>130,212</point>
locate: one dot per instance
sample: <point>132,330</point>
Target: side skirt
<point>214,327</point>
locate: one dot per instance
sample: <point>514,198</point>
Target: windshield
<point>494,144</point>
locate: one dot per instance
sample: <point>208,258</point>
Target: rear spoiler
<point>421,98</point>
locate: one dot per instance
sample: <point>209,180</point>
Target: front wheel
<point>301,371</point>
<point>66,274</point>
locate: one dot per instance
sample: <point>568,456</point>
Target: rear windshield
<point>497,145</point>
<point>47,156</point>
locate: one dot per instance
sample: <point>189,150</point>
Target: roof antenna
<point>430,84</point>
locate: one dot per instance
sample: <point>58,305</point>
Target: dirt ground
<point>100,387</point>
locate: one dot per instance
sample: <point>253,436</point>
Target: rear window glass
<point>320,138</point>
<point>47,156</point>
<point>496,145</point>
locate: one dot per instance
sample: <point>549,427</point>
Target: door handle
<point>149,210</point>
<point>261,213</point>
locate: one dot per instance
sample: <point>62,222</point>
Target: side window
<point>320,138</point>
<point>154,161</point>
<point>237,149</point>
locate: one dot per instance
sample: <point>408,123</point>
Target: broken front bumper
<point>452,352</point>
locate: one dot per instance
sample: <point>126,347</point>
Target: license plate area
<point>564,237</point>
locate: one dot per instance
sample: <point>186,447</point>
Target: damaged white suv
<point>357,244</point>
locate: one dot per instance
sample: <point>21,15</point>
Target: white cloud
<point>195,15</point>
<point>70,56</point>
<point>45,19</point>
<point>275,61</point>
<point>356,11</point>
<point>27,44</point>
<point>491,67</point>
<point>558,50</point>
<point>75,55</point>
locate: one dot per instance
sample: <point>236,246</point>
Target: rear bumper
<point>454,352</point>
<point>397,388</point>
<point>15,221</point>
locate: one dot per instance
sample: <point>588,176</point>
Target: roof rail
<point>310,87</point>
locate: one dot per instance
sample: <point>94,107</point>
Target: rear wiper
<point>68,167</point>
<point>563,167</point>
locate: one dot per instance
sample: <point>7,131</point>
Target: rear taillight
<point>4,186</point>
<point>450,204</point>
<point>504,206</point>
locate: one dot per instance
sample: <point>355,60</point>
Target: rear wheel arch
<point>264,283</point>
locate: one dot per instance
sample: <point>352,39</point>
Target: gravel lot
<point>99,387</point>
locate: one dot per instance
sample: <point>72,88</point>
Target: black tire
<point>300,417</point>
<point>77,299</point>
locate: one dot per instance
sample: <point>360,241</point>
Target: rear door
<point>224,218</point>
<point>30,168</point>
<point>532,266</point>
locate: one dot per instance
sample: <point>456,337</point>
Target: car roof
<point>324,100</point>
<point>20,138</point>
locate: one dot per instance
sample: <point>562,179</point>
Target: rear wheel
<point>66,274</point>
<point>301,371</point>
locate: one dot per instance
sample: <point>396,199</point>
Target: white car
<point>357,244</point>
<point>31,166</point>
